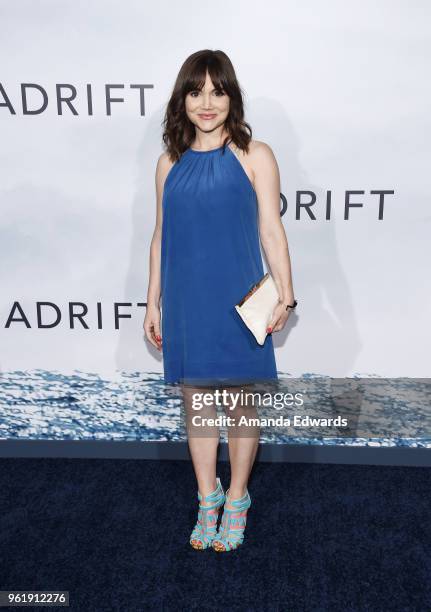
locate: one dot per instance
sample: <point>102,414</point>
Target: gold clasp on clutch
<point>253,289</point>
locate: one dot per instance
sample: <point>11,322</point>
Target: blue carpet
<point>114,533</point>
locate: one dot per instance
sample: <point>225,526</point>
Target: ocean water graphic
<point>39,404</point>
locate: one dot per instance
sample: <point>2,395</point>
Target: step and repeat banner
<point>338,92</point>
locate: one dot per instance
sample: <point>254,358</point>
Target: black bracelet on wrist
<point>295,303</point>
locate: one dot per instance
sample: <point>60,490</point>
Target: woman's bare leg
<point>243,440</point>
<point>203,440</point>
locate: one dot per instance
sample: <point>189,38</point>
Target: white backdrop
<point>341,93</point>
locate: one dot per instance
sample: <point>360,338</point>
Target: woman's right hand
<point>152,326</point>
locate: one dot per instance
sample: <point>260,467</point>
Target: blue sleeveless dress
<point>210,257</point>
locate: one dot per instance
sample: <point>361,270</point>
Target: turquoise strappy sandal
<point>231,532</point>
<point>206,527</point>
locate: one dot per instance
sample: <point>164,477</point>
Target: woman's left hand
<point>279,318</point>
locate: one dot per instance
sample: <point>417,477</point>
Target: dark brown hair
<point>179,131</point>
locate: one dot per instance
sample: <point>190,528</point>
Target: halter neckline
<point>209,150</point>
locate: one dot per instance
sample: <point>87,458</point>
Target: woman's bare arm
<point>272,234</point>
<point>152,317</point>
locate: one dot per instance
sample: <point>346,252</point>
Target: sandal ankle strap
<point>242,503</point>
<point>217,497</point>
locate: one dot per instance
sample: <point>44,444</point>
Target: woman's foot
<point>231,532</point>
<point>205,529</point>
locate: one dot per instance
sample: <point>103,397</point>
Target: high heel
<point>205,529</point>
<point>231,533</point>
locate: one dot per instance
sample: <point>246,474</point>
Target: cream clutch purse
<point>256,308</point>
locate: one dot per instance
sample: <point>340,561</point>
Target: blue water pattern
<point>40,404</point>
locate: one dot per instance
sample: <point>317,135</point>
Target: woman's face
<point>208,108</point>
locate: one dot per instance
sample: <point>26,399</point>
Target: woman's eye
<point>217,92</point>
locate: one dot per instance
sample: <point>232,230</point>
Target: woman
<point>217,190</point>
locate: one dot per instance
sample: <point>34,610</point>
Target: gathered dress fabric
<point>210,257</point>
